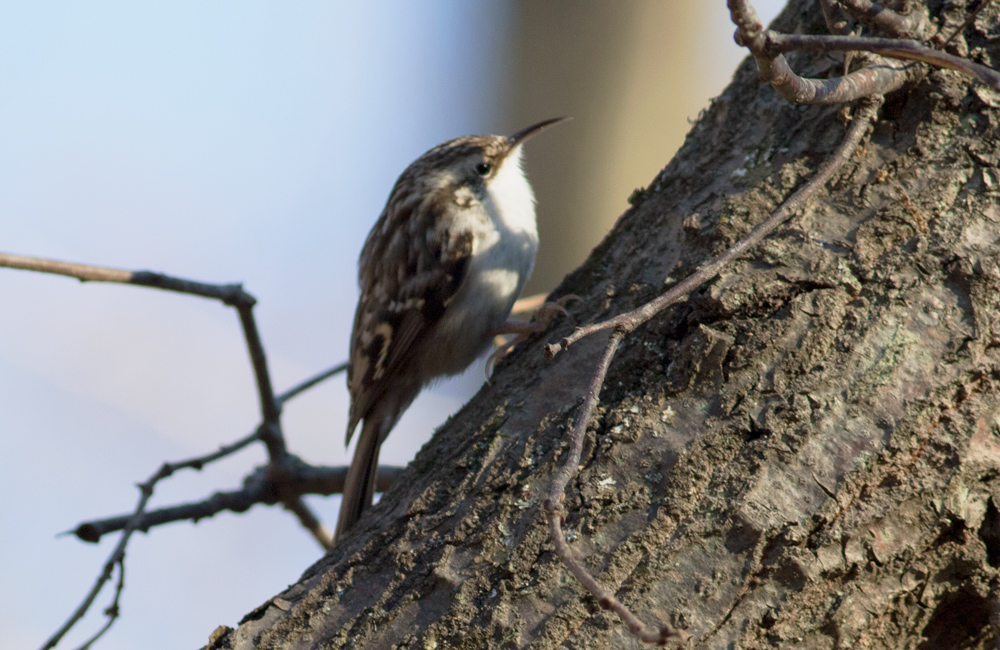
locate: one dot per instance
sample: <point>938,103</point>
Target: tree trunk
<point>805,454</point>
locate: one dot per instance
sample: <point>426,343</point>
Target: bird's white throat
<point>509,197</point>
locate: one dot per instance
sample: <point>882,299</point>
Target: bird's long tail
<point>359,487</point>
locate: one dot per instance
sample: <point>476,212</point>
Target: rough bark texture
<point>806,454</point>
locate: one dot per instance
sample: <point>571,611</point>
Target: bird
<point>438,276</point>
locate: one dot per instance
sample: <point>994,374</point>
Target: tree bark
<point>805,454</point>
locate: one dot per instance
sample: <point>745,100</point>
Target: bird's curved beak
<point>534,129</point>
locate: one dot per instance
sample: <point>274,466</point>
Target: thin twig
<point>555,511</point>
<point>310,522</point>
<point>270,408</point>
<point>229,294</point>
<point>557,493</point>
<point>879,77</point>
<point>113,611</point>
<point>198,462</point>
<point>117,556</point>
<point>630,320</point>
<point>261,487</point>
<point>92,531</point>
<point>268,432</point>
<point>132,523</point>
<point>309,383</point>
<point>775,43</point>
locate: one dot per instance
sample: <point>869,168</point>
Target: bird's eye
<point>483,168</point>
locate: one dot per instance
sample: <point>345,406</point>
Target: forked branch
<point>283,480</point>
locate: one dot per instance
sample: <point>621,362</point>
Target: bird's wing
<point>411,266</point>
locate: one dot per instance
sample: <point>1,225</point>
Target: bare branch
<point>775,43</point>
<point>256,490</point>
<point>294,479</point>
<point>885,20</point>
<point>233,501</point>
<point>557,495</point>
<point>309,383</point>
<point>230,294</point>
<point>885,77</point>
<point>81,272</point>
<point>270,409</point>
<point>198,462</point>
<point>113,611</point>
<point>310,522</point>
<point>117,556</point>
<point>880,78</point>
<point>265,485</point>
<point>259,487</point>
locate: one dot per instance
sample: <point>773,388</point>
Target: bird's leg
<point>513,332</point>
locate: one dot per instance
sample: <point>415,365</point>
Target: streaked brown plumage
<point>438,275</point>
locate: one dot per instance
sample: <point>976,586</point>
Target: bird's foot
<point>511,333</point>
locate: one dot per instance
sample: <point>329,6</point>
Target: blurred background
<point>257,142</point>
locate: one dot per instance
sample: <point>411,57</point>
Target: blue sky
<point>222,141</point>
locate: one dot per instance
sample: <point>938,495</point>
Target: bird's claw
<point>540,320</point>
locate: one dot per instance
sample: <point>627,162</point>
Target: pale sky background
<point>220,141</point>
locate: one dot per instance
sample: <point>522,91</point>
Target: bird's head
<point>474,162</point>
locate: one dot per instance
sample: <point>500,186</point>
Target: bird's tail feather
<point>359,486</point>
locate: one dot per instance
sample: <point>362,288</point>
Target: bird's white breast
<point>503,255</point>
<point>506,256</point>
<point>509,198</point>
